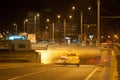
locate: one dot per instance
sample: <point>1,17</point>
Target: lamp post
<point>35,22</point>
<point>98,22</point>
<point>15,27</point>
<point>58,16</point>
<point>64,28</point>
<point>83,37</point>
<point>81,25</point>
<point>26,20</point>
<point>53,25</point>
<point>35,25</point>
<point>47,30</point>
<point>72,25</point>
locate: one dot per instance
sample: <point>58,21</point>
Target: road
<point>46,71</point>
<point>52,72</point>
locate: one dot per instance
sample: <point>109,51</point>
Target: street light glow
<point>26,20</point>
<point>73,8</point>
<point>70,16</point>
<point>37,14</point>
<point>89,8</point>
<point>47,20</point>
<point>58,16</point>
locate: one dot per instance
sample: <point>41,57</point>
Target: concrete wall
<point>26,56</point>
<point>21,45</point>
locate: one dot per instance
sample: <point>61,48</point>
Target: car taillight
<point>105,60</point>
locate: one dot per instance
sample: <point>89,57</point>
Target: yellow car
<point>69,59</point>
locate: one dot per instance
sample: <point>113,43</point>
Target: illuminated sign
<point>16,37</point>
<point>91,37</point>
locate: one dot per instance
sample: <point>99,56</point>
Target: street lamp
<point>81,25</point>
<point>35,22</point>
<point>53,33</point>
<point>58,16</point>
<point>87,30</point>
<point>98,22</point>
<point>73,8</point>
<point>64,28</point>
<point>26,20</point>
<point>47,20</point>
<point>15,27</point>
<point>89,8</point>
<point>48,30</point>
<point>36,16</point>
<point>70,16</point>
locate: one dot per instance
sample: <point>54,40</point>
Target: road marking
<point>90,75</point>
<point>14,78</point>
<point>103,71</point>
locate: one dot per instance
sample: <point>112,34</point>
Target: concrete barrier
<point>19,56</point>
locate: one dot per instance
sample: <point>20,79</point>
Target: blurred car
<point>69,59</point>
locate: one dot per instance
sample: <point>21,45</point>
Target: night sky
<point>16,10</point>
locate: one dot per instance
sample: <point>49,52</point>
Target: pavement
<point>20,64</point>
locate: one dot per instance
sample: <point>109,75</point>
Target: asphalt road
<point>52,72</point>
<point>55,72</point>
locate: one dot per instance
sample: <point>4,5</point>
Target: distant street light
<point>49,29</point>
<point>53,34</point>
<point>81,21</point>
<point>36,16</point>
<point>73,8</point>
<point>15,26</point>
<point>64,27</point>
<point>58,16</point>
<point>70,16</point>
<point>98,22</point>
<point>89,8</point>
<point>81,25</point>
<point>26,20</point>
<point>35,22</point>
<point>47,20</point>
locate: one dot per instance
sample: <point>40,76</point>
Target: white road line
<point>90,75</point>
<point>14,78</point>
<point>103,71</point>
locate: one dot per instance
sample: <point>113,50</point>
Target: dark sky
<point>16,10</point>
